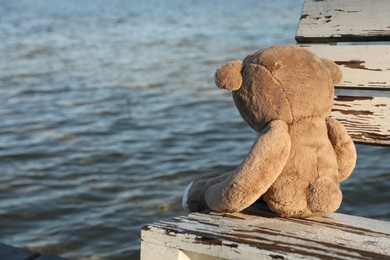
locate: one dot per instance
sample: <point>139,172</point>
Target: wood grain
<point>256,234</point>
<point>344,20</point>
<point>367,119</point>
<point>363,66</point>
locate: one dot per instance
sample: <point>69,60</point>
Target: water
<point>109,109</point>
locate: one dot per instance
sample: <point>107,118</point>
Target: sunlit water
<point>108,109</point>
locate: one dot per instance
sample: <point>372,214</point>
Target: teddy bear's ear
<point>334,70</point>
<point>229,76</point>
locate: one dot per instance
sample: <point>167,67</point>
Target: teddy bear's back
<point>311,157</point>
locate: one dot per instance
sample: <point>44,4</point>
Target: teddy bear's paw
<point>185,197</point>
<point>194,194</point>
<point>323,196</point>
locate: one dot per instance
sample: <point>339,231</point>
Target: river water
<point>108,109</point>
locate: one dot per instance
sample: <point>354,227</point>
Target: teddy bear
<point>285,93</point>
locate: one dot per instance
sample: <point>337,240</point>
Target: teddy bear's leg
<point>236,190</point>
<point>323,196</point>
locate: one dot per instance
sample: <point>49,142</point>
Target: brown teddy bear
<point>285,93</point>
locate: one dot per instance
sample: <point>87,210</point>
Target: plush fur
<point>285,93</point>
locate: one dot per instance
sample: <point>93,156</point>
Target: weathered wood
<point>367,119</point>
<point>344,20</point>
<point>152,251</point>
<point>363,66</point>
<point>257,234</point>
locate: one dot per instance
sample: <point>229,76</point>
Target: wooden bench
<point>257,233</point>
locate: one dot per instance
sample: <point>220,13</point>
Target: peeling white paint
<point>344,20</point>
<point>257,234</point>
<point>363,66</point>
<point>367,119</point>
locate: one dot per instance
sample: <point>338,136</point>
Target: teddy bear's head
<point>282,82</point>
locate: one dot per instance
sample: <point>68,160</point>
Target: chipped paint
<point>367,119</point>
<point>303,16</point>
<point>363,66</point>
<point>340,21</point>
<point>352,98</point>
<point>341,10</point>
<point>354,112</point>
<point>355,64</point>
<point>253,236</point>
<point>146,228</point>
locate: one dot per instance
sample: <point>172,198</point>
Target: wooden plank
<point>151,251</point>
<point>344,20</point>
<point>367,119</point>
<point>363,66</point>
<point>256,234</point>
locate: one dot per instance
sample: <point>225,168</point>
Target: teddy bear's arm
<point>240,188</point>
<point>343,146</point>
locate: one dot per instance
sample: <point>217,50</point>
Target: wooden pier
<point>363,26</point>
